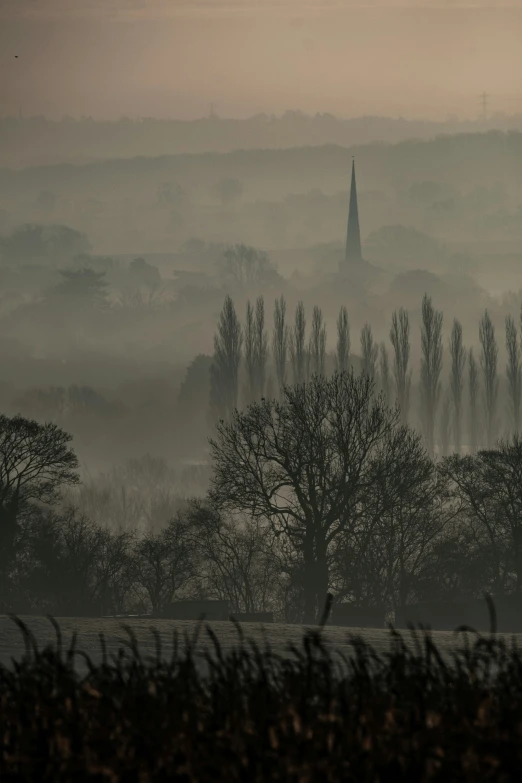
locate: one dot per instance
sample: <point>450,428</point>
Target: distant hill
<point>461,160</point>
<point>459,188</point>
<point>36,140</point>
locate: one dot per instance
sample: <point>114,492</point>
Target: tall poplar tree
<point>400,340</point>
<point>224,371</point>
<point>431,367</point>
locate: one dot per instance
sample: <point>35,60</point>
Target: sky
<point>175,58</point>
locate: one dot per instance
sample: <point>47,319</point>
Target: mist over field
<point>261,390</point>
<point>439,215</point>
<point>260,307</point>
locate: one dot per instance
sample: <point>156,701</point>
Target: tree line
<point>322,489</point>
<point>53,558</point>
<point>451,404</point>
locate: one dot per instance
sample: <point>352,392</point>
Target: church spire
<point>353,235</point>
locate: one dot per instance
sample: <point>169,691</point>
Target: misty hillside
<point>260,372</point>
<point>464,187</point>
<point>38,140</point>
<point>129,253</point>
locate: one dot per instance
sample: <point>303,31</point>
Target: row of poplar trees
<point>243,370</point>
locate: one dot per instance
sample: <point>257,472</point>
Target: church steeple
<point>353,235</point>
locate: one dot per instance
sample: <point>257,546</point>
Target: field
<point>255,716</point>
<point>277,636</point>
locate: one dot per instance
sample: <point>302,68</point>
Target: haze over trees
<point>364,427</point>
<point>324,477</point>
<point>322,490</point>
<point>280,341</point>
<point>228,344</point>
<point>431,367</point>
<point>513,371</point>
<point>260,392</point>
<point>343,340</point>
<point>36,140</point>
<point>400,340</point>
<point>50,244</point>
<point>458,360</point>
<point>488,362</point>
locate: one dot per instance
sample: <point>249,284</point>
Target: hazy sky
<point>174,58</point>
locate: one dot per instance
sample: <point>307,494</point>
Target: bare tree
<point>81,542</point>
<point>513,372</point>
<point>35,462</point>
<point>138,495</point>
<point>81,539</point>
<point>304,464</point>
<point>317,349</point>
<point>473,383</point>
<point>164,564</point>
<point>488,362</point>
<point>270,391</point>
<point>369,352</point>
<point>297,345</point>
<point>114,571</point>
<point>236,559</point>
<point>384,374</point>
<point>431,366</point>
<point>280,341</point>
<point>228,343</point>
<point>228,190</point>
<point>458,360</point>
<point>488,487</point>
<point>343,340</point>
<point>400,340</point>
<point>387,560</point>
<point>247,267</point>
<point>59,562</point>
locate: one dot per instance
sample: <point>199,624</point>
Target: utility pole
<point>484,100</point>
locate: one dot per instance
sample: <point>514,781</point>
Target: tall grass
<point>410,714</point>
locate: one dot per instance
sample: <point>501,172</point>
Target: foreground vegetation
<point>255,716</point>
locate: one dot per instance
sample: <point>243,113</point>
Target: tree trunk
<point>321,581</point>
<point>8,532</point>
<point>309,585</point>
<point>316,579</point>
<point>517,553</point>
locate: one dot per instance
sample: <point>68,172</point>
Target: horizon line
<point>450,118</point>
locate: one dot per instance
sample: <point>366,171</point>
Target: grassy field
<point>257,715</point>
<point>277,636</point>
